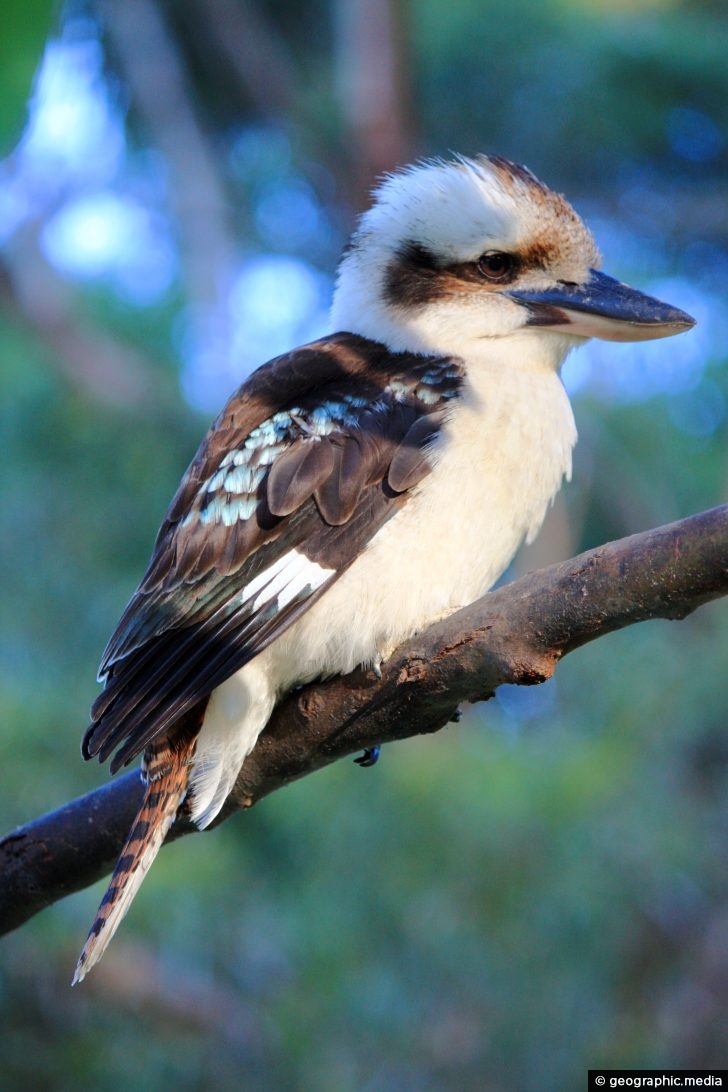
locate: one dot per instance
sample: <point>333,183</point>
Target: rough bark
<point>516,634</point>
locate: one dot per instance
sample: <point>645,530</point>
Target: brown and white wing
<point>304,465</point>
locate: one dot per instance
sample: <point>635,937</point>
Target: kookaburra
<point>360,487</point>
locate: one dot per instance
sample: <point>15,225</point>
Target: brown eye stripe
<point>415,277</point>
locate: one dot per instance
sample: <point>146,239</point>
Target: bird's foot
<point>370,757</point>
<point>377,664</point>
<point>381,656</point>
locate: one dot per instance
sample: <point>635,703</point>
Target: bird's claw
<point>369,758</point>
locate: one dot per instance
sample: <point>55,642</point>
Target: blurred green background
<point>542,888</point>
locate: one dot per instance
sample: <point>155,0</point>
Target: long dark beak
<point>603,307</point>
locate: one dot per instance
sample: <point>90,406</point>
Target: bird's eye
<point>497,266</point>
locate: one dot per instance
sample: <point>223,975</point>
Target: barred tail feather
<point>167,774</point>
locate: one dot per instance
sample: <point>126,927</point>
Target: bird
<point>358,488</point>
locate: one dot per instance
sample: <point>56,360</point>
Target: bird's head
<point>453,255</point>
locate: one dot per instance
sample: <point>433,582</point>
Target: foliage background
<point>540,889</point>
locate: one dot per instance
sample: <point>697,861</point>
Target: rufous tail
<point>166,772</point>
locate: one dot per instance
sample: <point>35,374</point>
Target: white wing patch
<point>284,580</point>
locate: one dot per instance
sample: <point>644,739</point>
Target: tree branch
<point>516,634</point>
